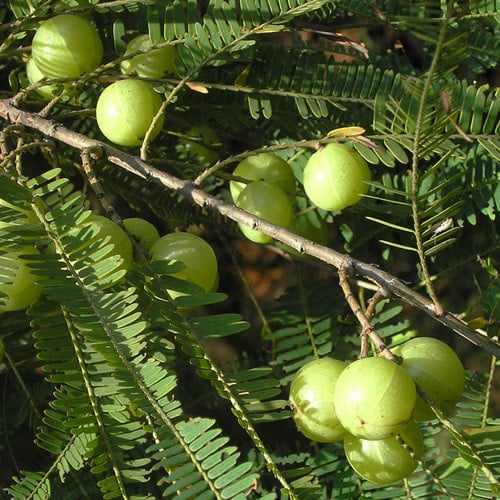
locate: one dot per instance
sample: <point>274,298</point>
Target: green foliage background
<point>115,392</point>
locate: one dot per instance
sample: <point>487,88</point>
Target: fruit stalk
<point>367,329</point>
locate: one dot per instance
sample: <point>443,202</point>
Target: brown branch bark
<point>367,328</point>
<point>187,188</point>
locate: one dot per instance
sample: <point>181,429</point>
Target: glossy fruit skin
<point>437,370</point>
<point>66,46</point>
<point>374,398</point>
<point>143,231</point>
<point>126,109</point>
<point>385,461</point>
<point>195,253</point>
<point>267,167</point>
<point>35,75</point>
<point>268,202</point>
<point>20,286</point>
<point>110,232</point>
<point>311,397</point>
<point>334,177</point>
<point>155,63</point>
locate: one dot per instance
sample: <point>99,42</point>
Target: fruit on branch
<point>125,111</point>
<point>374,398</point>
<point>335,177</point>
<point>265,166</point>
<point>66,46</point>
<point>142,231</point>
<point>268,202</point>
<point>385,461</point>
<point>35,75</point>
<point>153,63</point>
<point>310,226</point>
<point>17,281</point>
<point>200,144</point>
<point>437,370</point>
<point>311,397</point>
<point>197,256</point>
<point>110,233</point>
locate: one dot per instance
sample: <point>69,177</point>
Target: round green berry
<point>385,461</point>
<point>125,111</point>
<point>311,397</point>
<point>150,62</point>
<point>197,256</point>
<point>267,167</point>
<point>19,287</point>
<point>437,370</point>
<point>66,46</point>
<point>374,398</point>
<point>335,177</point>
<point>268,202</point>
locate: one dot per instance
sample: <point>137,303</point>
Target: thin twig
<point>367,329</point>
<point>199,197</point>
<point>20,149</point>
<point>379,295</point>
<point>89,157</point>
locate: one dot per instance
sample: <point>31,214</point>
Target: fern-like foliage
<point>92,343</point>
<point>114,372</point>
<point>312,321</point>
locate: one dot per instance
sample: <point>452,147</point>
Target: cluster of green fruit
<point>334,178</point>
<point>67,46</point>
<point>20,287</point>
<point>373,404</point>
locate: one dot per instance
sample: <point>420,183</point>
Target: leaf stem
<point>462,439</point>
<point>417,145</point>
<point>303,301</point>
<point>265,324</point>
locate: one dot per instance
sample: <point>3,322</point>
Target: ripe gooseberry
<point>437,370</point>
<point>125,111</point>
<point>265,166</point>
<point>386,460</point>
<point>268,202</point>
<point>35,75</point>
<point>153,63</point>
<point>109,232</point>
<point>374,398</point>
<point>334,177</point>
<point>17,281</point>
<point>66,46</point>
<point>198,257</point>
<point>143,231</point>
<point>311,397</point>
